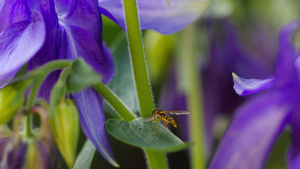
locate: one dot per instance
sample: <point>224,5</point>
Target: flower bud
<point>27,154</point>
<point>10,101</point>
<point>37,156</point>
<point>20,151</point>
<point>65,127</point>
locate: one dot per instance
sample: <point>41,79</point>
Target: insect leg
<point>165,123</point>
<point>156,126</point>
<point>153,124</point>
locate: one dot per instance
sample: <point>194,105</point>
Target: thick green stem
<point>156,160</point>
<point>114,101</point>
<point>41,73</point>
<point>138,58</point>
<point>192,86</point>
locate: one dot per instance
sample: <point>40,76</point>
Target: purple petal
<point>109,15</point>
<point>84,14</point>
<point>158,15</point>
<point>252,133</point>
<point>61,6</point>
<point>248,86</point>
<point>80,43</point>
<point>13,11</point>
<point>297,65</point>
<point>92,119</point>
<point>287,53</point>
<point>14,50</point>
<point>294,151</point>
<point>49,50</point>
<point>3,143</point>
<point>16,157</point>
<point>227,53</point>
<point>43,158</point>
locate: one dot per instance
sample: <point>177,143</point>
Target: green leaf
<point>85,157</point>
<point>82,76</point>
<point>137,133</point>
<point>122,84</point>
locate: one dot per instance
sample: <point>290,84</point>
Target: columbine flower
<point>226,55</point>
<point>158,15</point>
<point>258,123</point>
<point>43,30</point>
<point>40,31</point>
<point>37,152</point>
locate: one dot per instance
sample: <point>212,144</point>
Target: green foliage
<point>122,84</point>
<point>137,133</point>
<point>85,157</point>
<point>82,76</point>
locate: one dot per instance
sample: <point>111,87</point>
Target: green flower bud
<point>10,101</point>
<point>65,127</point>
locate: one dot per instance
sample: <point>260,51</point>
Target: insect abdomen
<point>169,119</point>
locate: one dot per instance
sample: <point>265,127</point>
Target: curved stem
<point>41,73</point>
<point>31,99</point>
<point>114,101</point>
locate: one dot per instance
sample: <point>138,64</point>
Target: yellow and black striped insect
<point>158,115</point>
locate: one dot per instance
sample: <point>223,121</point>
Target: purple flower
<point>158,15</point>
<point>39,31</point>
<point>257,124</point>
<point>43,30</point>
<point>36,152</point>
<point>227,55</point>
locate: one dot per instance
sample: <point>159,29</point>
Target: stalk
<point>192,85</point>
<point>41,73</point>
<point>156,160</point>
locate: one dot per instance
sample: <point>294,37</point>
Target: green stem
<point>156,160</point>
<point>41,73</point>
<point>54,65</point>
<point>193,87</point>
<point>138,58</point>
<point>58,90</point>
<point>31,99</point>
<point>64,74</point>
<point>115,102</point>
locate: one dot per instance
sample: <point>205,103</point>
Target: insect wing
<point>177,112</point>
<point>150,117</point>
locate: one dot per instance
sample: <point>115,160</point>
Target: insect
<point>158,115</point>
